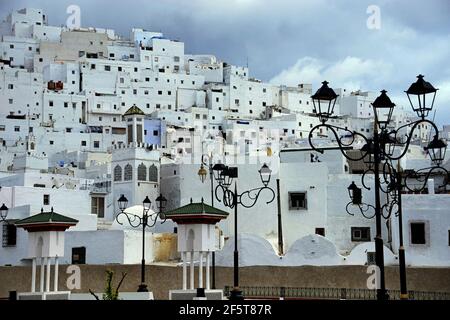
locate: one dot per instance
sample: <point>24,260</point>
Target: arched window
<point>142,172</point>
<point>117,173</point>
<point>153,173</point>
<point>128,175</point>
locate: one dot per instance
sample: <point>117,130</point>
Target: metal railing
<point>331,293</point>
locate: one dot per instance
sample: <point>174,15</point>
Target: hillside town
<point>94,125</point>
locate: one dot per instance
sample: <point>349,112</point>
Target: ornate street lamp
<point>368,150</point>
<point>3,212</point>
<point>146,204</point>
<point>217,171</point>
<point>383,108</point>
<point>436,150</point>
<point>123,203</point>
<point>202,173</point>
<point>247,199</point>
<point>265,174</point>
<point>379,149</point>
<point>421,89</point>
<point>146,220</point>
<point>324,101</point>
<point>161,202</point>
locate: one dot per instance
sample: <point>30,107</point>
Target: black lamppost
<point>381,147</point>
<point>202,173</point>
<point>396,181</point>
<point>3,213</point>
<point>247,199</point>
<point>147,220</point>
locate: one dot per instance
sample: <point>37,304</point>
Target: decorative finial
<point>191,199</point>
<point>52,209</point>
<point>42,210</point>
<point>202,199</point>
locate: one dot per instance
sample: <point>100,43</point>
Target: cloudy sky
<point>294,41</point>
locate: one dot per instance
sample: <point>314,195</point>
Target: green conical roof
<point>196,209</point>
<point>46,218</point>
<point>134,110</point>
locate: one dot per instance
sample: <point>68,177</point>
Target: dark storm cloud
<point>292,41</point>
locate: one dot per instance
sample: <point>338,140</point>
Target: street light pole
<point>379,254</point>
<point>233,200</point>
<point>136,221</point>
<point>143,287</point>
<point>236,292</point>
<point>381,147</point>
<point>401,250</point>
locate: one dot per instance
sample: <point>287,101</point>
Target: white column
<point>47,280</point>
<point>200,270</point>
<point>208,255</point>
<point>192,271</point>
<point>184,257</point>
<point>33,275</point>
<point>41,280</point>
<point>56,274</point>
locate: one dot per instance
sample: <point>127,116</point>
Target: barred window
<point>153,173</point>
<point>117,173</point>
<point>9,235</point>
<point>128,172</point>
<point>142,172</point>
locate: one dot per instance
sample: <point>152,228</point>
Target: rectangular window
<point>79,255</point>
<point>155,133</point>
<point>96,144</point>
<point>417,233</point>
<point>107,68</point>
<point>360,233</point>
<point>10,86</point>
<point>83,143</point>
<point>371,258</point>
<point>297,201</point>
<point>17,129</point>
<point>50,103</point>
<point>320,231</point>
<point>98,206</point>
<point>2,127</point>
<point>9,236</point>
<point>46,200</point>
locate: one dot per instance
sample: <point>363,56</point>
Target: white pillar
<point>184,257</point>
<point>430,185</point>
<point>208,255</point>
<point>192,271</point>
<point>33,275</point>
<point>41,280</point>
<point>47,280</point>
<point>56,274</point>
<point>200,270</point>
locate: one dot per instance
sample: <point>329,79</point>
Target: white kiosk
<point>45,241</point>
<point>196,236</point>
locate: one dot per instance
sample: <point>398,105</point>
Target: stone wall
<point>163,278</point>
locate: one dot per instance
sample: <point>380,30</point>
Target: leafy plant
<point>110,292</point>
